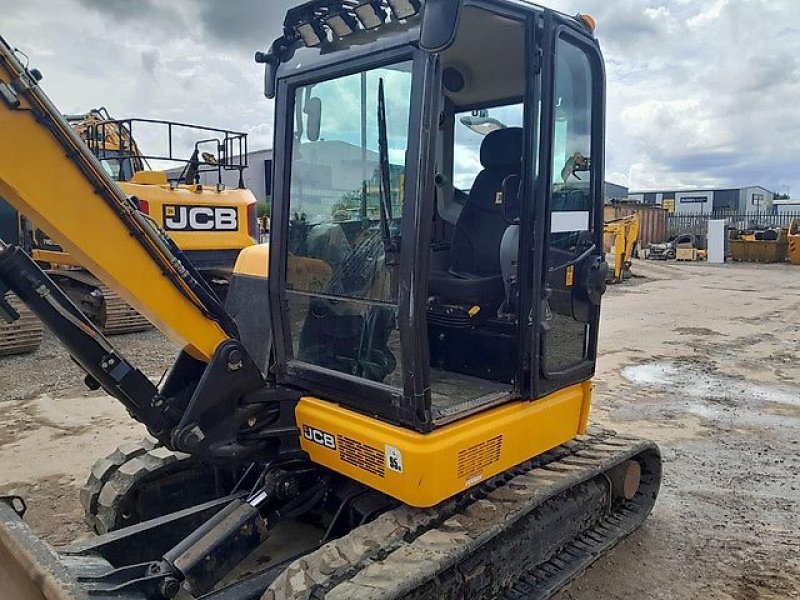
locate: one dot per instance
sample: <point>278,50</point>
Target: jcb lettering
<point>200,218</point>
<point>319,437</point>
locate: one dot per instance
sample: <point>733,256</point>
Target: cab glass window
<point>571,230</point>
<point>340,280</point>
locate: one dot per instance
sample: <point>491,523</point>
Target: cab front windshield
<point>345,210</point>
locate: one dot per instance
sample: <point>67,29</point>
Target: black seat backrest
<point>476,240</point>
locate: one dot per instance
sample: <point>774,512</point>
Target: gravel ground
<point>702,359</point>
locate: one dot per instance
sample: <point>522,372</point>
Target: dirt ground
<point>703,359</point>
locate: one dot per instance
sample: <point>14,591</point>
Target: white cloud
<point>711,103</point>
<point>697,92</point>
<point>708,16</point>
<point>660,12</point>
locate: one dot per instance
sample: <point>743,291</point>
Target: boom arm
<point>85,212</point>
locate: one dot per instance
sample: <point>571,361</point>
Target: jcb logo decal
<point>200,218</point>
<point>319,437</point>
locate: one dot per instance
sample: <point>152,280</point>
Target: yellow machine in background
<point>210,224</point>
<point>794,242</point>
<point>621,236</point>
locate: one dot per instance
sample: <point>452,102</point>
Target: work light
<point>341,23</point>
<point>482,125</point>
<point>311,32</point>
<point>403,9</point>
<point>370,14</point>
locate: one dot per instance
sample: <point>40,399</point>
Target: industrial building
<point>786,207</point>
<point>257,176</point>
<point>751,199</point>
<point>613,192</point>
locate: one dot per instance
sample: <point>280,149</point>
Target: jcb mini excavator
<point>209,223</point>
<point>621,236</point>
<point>394,402</point>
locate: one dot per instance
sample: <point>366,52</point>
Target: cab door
<point>574,267</point>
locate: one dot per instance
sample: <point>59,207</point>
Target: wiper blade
<point>390,243</point>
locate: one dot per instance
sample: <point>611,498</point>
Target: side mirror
<point>313,110</point>
<point>270,62</point>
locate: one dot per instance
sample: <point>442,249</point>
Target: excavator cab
<point>445,173</point>
<point>405,371</point>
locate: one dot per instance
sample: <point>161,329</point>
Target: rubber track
<point>121,317</point>
<point>114,477</point>
<point>406,552</point>
<point>23,335</point>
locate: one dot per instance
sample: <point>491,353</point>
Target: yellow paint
<point>570,277</point>
<point>54,258</point>
<point>253,261</point>
<point>162,200</point>
<point>474,310</point>
<point>430,462</point>
<point>150,178</point>
<point>794,242</point>
<point>588,394</point>
<point>622,234</point>
<point>71,205</point>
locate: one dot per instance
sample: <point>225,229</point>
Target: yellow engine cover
<point>198,217</point>
<point>424,469</point>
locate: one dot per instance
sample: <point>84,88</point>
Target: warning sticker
<point>394,459</point>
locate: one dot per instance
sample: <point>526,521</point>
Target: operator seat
<point>475,275</point>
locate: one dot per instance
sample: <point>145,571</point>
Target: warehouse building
<point>257,176</point>
<point>613,192</point>
<point>786,207</point>
<point>752,199</point>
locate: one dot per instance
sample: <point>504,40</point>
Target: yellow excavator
<point>794,242</point>
<point>209,223</point>
<point>394,401</point>
<point>622,235</point>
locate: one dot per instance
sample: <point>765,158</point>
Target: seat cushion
<point>486,292</point>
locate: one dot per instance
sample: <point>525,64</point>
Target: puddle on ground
<point>698,383</point>
<point>687,390</point>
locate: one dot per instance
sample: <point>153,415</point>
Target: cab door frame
<point>554,28</point>
<point>393,404</point>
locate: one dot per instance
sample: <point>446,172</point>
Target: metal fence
<point>698,224</point>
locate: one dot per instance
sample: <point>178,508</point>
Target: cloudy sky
<point>701,93</point>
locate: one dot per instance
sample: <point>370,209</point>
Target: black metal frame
<point>411,407</point>
<point>554,28</point>
<point>231,145</point>
<point>370,397</point>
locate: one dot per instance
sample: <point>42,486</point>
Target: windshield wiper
<point>391,244</point>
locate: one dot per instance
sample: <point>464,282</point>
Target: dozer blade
<point>22,335</point>
<point>31,570</point>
